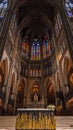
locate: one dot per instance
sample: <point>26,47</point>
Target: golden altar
<point>35,119</point>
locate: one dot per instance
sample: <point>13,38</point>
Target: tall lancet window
<point>46,48</point>
<point>25,49</point>
<point>35,50</point>
<point>3,8</point>
<point>69,7</point>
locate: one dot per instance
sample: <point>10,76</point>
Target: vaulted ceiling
<point>36,17</point>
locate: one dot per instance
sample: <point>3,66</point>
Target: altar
<point>35,119</point>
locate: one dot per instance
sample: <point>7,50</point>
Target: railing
<point>35,119</point>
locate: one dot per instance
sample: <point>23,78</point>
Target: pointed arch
<point>47,84</point>
<point>35,88</point>
<point>40,15</point>
<point>49,92</point>
<point>20,93</point>
<point>66,69</point>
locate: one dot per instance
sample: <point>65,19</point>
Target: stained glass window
<point>25,49</point>
<point>69,7</point>
<point>35,50</point>
<point>3,8</point>
<point>46,48</point>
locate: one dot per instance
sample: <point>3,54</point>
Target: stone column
<point>53,57</point>
<point>15,94</point>
<point>42,78</point>
<point>60,71</point>
<point>66,26</point>
<point>10,74</point>
<point>28,80</point>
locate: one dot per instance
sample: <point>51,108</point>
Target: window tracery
<point>46,48</point>
<point>69,8</point>
<point>35,50</point>
<point>25,49</point>
<point>3,8</point>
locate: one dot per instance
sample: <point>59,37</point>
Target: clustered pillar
<point>67,29</point>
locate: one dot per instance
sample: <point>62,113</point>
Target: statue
<point>35,97</point>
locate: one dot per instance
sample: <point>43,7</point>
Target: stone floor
<point>62,123</point>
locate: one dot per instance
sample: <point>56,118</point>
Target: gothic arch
<point>49,92</point>
<point>67,67</point>
<point>18,3</point>
<point>35,88</point>
<point>43,18</point>
<point>68,70</point>
<point>47,83</point>
<point>20,93</point>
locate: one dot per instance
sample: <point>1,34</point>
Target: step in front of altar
<point>33,119</point>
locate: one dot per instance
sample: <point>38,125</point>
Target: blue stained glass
<point>3,8</point>
<point>3,4</point>
<point>69,13</point>
<point>35,50</point>
<point>69,8</point>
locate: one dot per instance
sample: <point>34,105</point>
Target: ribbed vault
<point>36,15</point>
